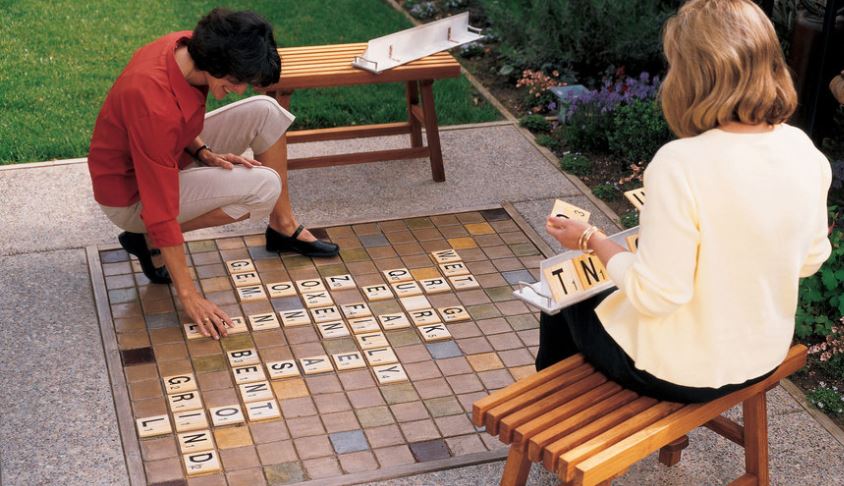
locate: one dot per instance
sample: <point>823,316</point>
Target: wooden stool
<point>588,429</point>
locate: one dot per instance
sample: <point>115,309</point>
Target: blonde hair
<point>725,64</point>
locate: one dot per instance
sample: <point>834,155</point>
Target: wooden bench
<point>331,66</point>
<point>587,429</point>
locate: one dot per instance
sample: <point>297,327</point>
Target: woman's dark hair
<point>236,44</point>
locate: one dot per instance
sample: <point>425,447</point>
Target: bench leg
<point>672,453</point>
<point>755,411</point>
<point>516,469</point>
<point>412,93</point>
<point>432,131</point>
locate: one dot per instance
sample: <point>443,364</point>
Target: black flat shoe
<point>136,244</point>
<point>277,242</point>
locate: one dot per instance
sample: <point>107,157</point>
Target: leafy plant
<point>638,131</point>
<point>833,345</point>
<point>827,399</point>
<point>576,164</point>
<point>535,123</point>
<point>630,219</point>
<point>539,97</point>
<point>548,141</point>
<point>606,192</point>
<point>822,294</point>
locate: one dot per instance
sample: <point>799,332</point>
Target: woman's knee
<point>267,187</point>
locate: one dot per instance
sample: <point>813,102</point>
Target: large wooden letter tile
<point>248,374</point>
<point>434,332</point>
<point>262,322</point>
<point>240,266</point>
<point>454,269</point>
<point>362,325</point>
<point>254,392</point>
<point>415,303</point>
<point>340,282</point>
<point>201,462</point>
<point>239,326</point>
<point>310,285</point>
<point>192,331</point>
<point>152,426</point>
<point>562,280</point>
<point>190,420</point>
<point>326,314</point>
<point>226,415</point>
<point>180,402</point>
<point>435,285</point>
<point>407,289</point>
<point>241,357</point>
<point>464,282</point>
<point>392,373</point>
<point>632,242</point>
<point>179,383</point>
<point>372,340</point>
<point>590,270</point>
<point>424,316</point>
<point>281,289</point>
<point>380,356</point>
<point>282,369</point>
<point>636,197</point>
<point>295,317</point>
<point>398,275</point>
<point>348,361</point>
<point>251,294</point>
<point>245,279</point>
<point>454,313</point>
<point>358,309</point>
<point>446,256</point>
<point>316,364</point>
<point>331,330</point>
<point>263,410</point>
<point>565,210</point>
<point>394,321</point>
<point>377,292</point>
<point>199,441</point>
<point>317,299</point>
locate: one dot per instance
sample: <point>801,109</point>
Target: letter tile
<point>424,316</point>
<point>636,197</point>
<point>316,364</point>
<point>263,410</point>
<point>198,463</point>
<point>296,317</point>
<point>446,256</point>
<point>240,266</point>
<point>254,392</point>
<point>281,289</point>
<point>340,282</point>
<point>326,314</point>
<point>333,329</point>
<point>190,442</point>
<point>590,271</point>
<point>380,356</point>
<point>179,383</point>
<point>246,279</point>
<point>565,210</point>
<point>415,303</point>
<point>190,420</point>
<point>263,322</point>
<point>320,298</point>
<point>242,357</point>
<point>454,269</point>
<point>251,294</point>
<point>407,289</point>
<point>377,292</point>
<point>394,321</point>
<point>348,361</point>
<point>562,280</point>
<point>282,369</point>
<point>362,325</point>
<point>454,313</point>
<point>434,332</point>
<point>180,402</point>
<point>248,374</point>
<point>358,309</point>
<point>435,285</point>
<point>372,340</point>
<point>398,275</point>
<point>391,373</point>
<point>153,426</point>
<point>310,285</point>
<point>226,415</point>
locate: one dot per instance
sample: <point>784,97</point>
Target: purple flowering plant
<point>614,91</point>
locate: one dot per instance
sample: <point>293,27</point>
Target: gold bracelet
<point>583,242</point>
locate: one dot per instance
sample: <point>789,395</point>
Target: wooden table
<point>331,66</point>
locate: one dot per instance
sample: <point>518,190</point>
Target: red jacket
<point>150,115</point>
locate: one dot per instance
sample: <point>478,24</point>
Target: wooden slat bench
<point>587,429</point>
<point>331,66</point>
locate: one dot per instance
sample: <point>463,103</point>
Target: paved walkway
<point>57,419</point>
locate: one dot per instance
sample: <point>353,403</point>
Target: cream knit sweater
<point>731,221</point>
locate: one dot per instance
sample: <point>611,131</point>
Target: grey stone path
<point>57,419</point>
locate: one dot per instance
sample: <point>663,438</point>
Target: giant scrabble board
<point>353,368</point>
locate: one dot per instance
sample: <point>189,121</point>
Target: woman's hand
<point>226,161</point>
<point>566,231</point>
<point>210,319</point>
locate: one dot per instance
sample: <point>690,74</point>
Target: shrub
<point>832,347</point>
<point>422,10</point>
<point>822,294</point>
<point>548,141</point>
<point>606,192</point>
<point>827,399</point>
<point>579,36</point>
<point>539,97</point>
<point>630,219</point>
<point>576,164</point>
<point>638,131</point>
<point>535,123</point>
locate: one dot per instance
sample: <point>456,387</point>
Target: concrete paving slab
<point>536,210</point>
<point>58,424</point>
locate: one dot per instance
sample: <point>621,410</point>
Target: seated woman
<point>161,166</point>
<point>735,215</point>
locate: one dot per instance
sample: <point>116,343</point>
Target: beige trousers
<point>256,122</point>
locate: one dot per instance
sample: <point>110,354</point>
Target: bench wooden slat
<point>494,415</point>
<point>356,158</point>
<point>299,81</point>
<point>586,443</point>
<point>627,412</point>
<point>537,409</point>
<point>349,55</point>
<point>482,406</point>
<point>537,443</point>
<point>618,457</point>
<point>527,430</point>
<point>342,65</point>
<point>343,133</point>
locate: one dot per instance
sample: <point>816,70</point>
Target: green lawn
<point>59,58</point>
